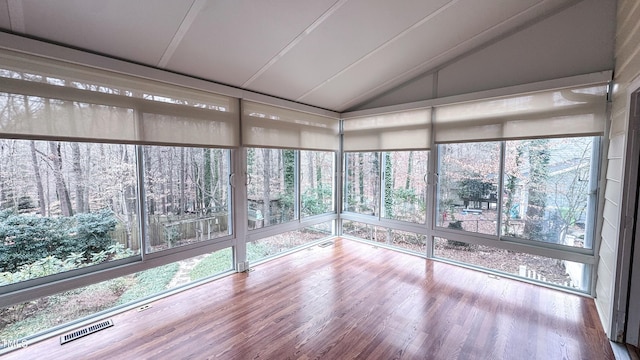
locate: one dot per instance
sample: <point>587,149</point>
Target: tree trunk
<point>172,200</point>
<point>163,194</point>
<point>361,178</point>
<point>87,202</point>
<point>183,180</point>
<point>61,186</point>
<point>388,186</point>
<point>407,184</point>
<point>539,173</point>
<point>207,181</point>
<point>150,190</point>
<point>77,174</point>
<point>266,192</point>
<point>310,169</point>
<point>36,171</point>
<point>319,160</point>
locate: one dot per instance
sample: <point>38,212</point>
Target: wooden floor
<point>349,300</point>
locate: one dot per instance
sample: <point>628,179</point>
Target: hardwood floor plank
<point>351,300</point>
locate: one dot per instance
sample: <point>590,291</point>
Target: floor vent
<point>325,244</point>
<point>87,330</point>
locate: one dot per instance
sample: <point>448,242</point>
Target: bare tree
<point>38,179</point>
<point>61,186</point>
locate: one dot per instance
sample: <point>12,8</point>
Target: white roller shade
<point>184,125</point>
<point>33,116</point>
<point>157,113</point>
<point>558,112</point>
<point>406,130</point>
<point>270,126</point>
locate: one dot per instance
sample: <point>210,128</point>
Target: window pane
<point>552,271</point>
<point>316,182</point>
<point>273,245</point>
<point>271,186</point>
<point>468,186</point>
<point>547,186</point>
<point>26,319</point>
<point>396,238</point>
<point>186,195</point>
<point>405,189</point>
<point>362,186</point>
<point>65,206</point>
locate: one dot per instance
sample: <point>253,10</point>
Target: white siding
<point>627,54</point>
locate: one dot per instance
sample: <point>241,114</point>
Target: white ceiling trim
<point>420,68</point>
<point>295,41</point>
<point>16,15</point>
<point>189,18</point>
<point>380,48</point>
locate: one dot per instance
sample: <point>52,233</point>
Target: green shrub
<point>25,239</point>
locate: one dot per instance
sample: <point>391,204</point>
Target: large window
<point>186,195</point>
<point>548,192</point>
<point>31,317</point>
<point>547,189</point>
<point>405,187</point>
<point>362,185</point>
<point>64,206</point>
<point>274,187</point>
<point>274,245</point>
<point>543,269</point>
<point>391,184</point>
<point>271,189</point>
<point>316,182</point>
<point>468,185</point>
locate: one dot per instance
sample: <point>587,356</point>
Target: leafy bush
<point>26,239</point>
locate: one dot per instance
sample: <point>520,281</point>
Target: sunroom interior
<point>131,153</point>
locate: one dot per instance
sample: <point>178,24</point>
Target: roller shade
<point>559,112</point>
<point>406,130</point>
<point>39,117</point>
<point>103,105</point>
<point>270,126</point>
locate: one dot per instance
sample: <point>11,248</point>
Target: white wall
<point>575,41</point>
<point>627,68</point>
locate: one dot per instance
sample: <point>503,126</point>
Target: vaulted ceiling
<point>333,54</point>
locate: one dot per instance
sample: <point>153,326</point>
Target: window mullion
<point>500,189</point>
<point>142,208</point>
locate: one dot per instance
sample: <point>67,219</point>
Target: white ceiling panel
<point>334,54</point>
<point>484,20</point>
<point>356,29</point>
<point>137,30</point>
<point>232,40</point>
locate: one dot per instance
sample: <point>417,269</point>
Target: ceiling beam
<point>189,18</point>
<point>295,41</point>
<point>16,16</point>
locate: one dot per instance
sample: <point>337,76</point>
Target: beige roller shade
<point>405,130</point>
<point>559,112</point>
<point>270,126</point>
<point>103,105</point>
